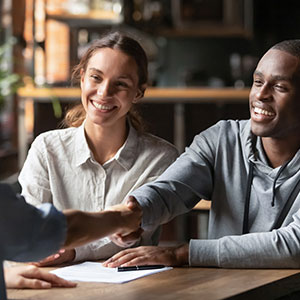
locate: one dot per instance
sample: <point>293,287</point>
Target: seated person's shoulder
<point>55,137</point>
<point>226,128</point>
<point>233,125</point>
<point>156,144</point>
<point>224,132</point>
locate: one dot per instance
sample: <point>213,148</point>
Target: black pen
<point>138,268</point>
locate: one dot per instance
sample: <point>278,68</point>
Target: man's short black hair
<point>289,46</point>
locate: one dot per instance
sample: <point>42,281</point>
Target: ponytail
<point>74,116</point>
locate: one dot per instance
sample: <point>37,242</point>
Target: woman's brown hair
<point>114,40</point>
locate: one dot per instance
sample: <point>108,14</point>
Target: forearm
<point>176,191</point>
<point>99,249</point>
<point>162,201</point>
<point>276,249</point>
<point>84,227</point>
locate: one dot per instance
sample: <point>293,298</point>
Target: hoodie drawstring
<point>275,180</point>
<point>248,192</point>
<point>247,202</point>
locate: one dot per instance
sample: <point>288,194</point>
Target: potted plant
<point>9,82</point>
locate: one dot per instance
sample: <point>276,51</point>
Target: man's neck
<point>280,151</point>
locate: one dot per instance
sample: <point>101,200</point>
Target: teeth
<point>263,112</point>
<point>101,106</point>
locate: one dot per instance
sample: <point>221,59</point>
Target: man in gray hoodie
<point>250,170</point>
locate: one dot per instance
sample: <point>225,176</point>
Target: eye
<point>257,82</point>
<point>95,77</point>
<point>122,84</point>
<point>280,88</point>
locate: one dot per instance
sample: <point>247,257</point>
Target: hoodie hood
<point>254,152</point>
<point>257,158</point>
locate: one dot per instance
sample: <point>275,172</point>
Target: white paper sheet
<point>95,272</point>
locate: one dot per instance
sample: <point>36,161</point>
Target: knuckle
<point>31,267</point>
<point>34,270</point>
<point>19,281</point>
<point>36,283</point>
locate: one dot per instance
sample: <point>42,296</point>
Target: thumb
<point>132,203</point>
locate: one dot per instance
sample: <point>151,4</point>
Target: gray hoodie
<point>227,165</point>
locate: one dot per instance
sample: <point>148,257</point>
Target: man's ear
<point>140,93</point>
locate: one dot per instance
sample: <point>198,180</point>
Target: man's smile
<point>261,111</point>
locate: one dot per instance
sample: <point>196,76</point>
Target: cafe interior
<point>201,53</point>
<point>201,58</point>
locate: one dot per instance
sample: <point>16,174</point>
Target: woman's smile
<point>103,107</point>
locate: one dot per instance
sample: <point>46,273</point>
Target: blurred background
<point>201,57</point>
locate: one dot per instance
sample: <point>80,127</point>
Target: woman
<point>103,156</point>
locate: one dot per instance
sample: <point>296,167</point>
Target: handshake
<point>121,222</point>
<point>130,231</point>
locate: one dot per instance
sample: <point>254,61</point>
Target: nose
<point>103,89</point>
<point>263,92</point>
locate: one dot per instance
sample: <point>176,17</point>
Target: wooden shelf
<point>151,95</point>
<point>205,31</point>
<point>175,96</point>
<point>89,19</point>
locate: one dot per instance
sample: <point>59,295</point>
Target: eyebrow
<point>91,71</point>
<point>274,77</point>
<point>125,76</point>
<point>95,70</point>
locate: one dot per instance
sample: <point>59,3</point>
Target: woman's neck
<point>105,142</point>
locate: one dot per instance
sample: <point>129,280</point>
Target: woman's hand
<point>62,256</point>
<point>150,255</point>
<point>31,277</point>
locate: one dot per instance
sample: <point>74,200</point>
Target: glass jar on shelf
<point>112,5</point>
<point>77,7</point>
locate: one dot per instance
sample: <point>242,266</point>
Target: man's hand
<point>128,240</point>
<point>130,217</point>
<point>84,227</point>
<point>150,255</point>
<point>62,256</point>
<point>31,277</point>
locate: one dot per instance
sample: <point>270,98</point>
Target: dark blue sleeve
<point>28,233</point>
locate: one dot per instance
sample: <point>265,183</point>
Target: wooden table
<point>181,283</point>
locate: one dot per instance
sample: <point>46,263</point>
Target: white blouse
<point>60,169</point>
